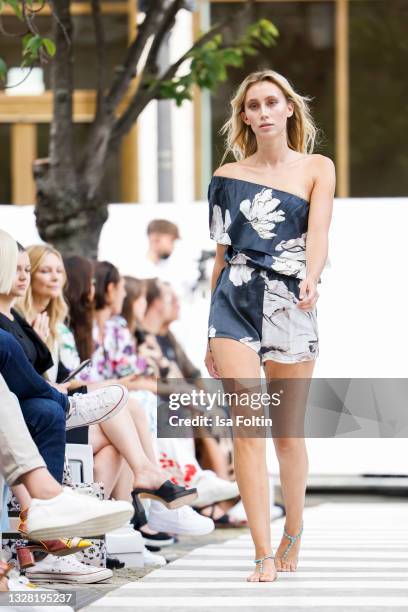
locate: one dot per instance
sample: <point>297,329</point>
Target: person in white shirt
<point>164,261</point>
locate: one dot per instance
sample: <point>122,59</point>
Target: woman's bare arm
<point>320,213</point>
<point>317,242</point>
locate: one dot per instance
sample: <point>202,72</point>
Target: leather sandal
<point>59,548</point>
<point>171,495</point>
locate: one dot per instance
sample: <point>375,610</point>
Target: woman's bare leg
<point>141,422</point>
<point>22,495</point>
<point>122,434</point>
<point>234,360</point>
<point>293,467</point>
<point>124,483</point>
<point>40,484</point>
<point>107,462</point>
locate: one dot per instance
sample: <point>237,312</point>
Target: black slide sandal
<point>171,495</point>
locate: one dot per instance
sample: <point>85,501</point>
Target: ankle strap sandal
<point>292,541</point>
<point>260,562</point>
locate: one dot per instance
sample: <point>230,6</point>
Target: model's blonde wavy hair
<point>301,129</point>
<point>57,308</point>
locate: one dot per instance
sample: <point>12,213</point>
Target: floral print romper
<point>254,300</point>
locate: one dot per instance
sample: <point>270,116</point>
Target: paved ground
<point>354,556</point>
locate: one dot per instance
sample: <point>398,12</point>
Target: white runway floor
<point>354,557</point>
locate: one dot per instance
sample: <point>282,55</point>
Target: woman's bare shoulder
<point>228,170</point>
<point>321,162</point>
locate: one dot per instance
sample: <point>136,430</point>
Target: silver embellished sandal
<point>292,541</point>
<point>260,562</point>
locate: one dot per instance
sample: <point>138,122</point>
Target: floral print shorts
<point>258,307</point>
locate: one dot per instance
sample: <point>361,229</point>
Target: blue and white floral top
<point>263,227</point>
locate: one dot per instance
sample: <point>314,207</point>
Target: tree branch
<point>151,68</point>
<point>100,55</point>
<point>126,72</point>
<point>143,96</point>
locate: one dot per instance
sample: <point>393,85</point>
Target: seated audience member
<point>115,357</point>
<point>114,350</point>
<point>133,311</point>
<point>54,511</point>
<point>47,411</point>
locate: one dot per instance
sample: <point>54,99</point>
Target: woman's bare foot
<point>147,531</point>
<point>150,478</point>
<point>289,564</point>
<point>269,572</point>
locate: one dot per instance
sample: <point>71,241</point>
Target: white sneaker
<point>70,513</point>
<point>96,406</point>
<point>152,560</point>
<point>66,569</point>
<point>181,521</point>
<point>212,489</point>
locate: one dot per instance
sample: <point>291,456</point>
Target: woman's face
<point>266,109</point>
<point>139,307</point>
<point>48,280</point>
<point>116,296</point>
<point>23,275</point>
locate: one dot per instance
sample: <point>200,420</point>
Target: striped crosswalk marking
<point>353,557</point>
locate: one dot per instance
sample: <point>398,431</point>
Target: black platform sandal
<point>171,495</point>
<point>139,517</point>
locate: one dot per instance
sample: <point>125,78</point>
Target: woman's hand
<point>210,364</point>
<point>136,382</point>
<point>41,325</point>
<point>143,383</point>
<point>308,294</point>
<point>61,387</point>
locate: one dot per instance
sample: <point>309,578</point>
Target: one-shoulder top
<point>262,227</point>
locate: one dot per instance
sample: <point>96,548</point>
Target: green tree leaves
<point>209,62</point>
<point>35,48</point>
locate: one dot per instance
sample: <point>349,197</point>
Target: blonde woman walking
<point>270,212</point>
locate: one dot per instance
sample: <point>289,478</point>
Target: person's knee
<point>47,413</point>
<point>56,414</point>
<point>286,446</point>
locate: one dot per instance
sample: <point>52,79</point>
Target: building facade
<point>349,56</point>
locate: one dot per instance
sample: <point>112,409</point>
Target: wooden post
<point>342,99</point>
<point>23,154</point>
